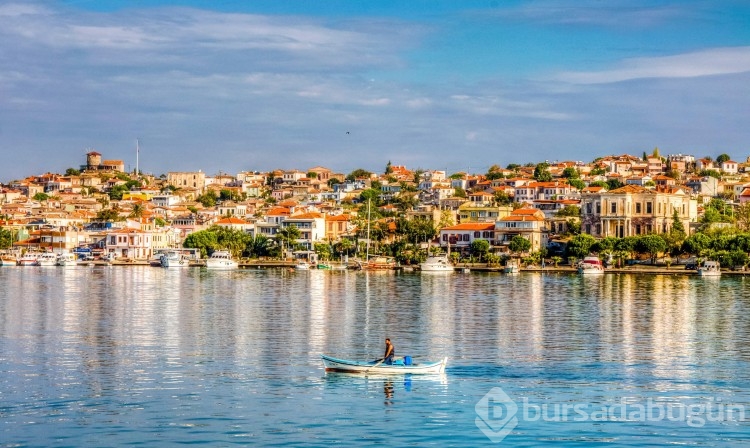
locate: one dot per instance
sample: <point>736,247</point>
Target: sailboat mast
<point>367,252</point>
<point>137,154</point>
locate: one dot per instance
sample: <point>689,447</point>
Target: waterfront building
<point>462,235</point>
<point>526,222</point>
<point>634,210</point>
<point>312,227</point>
<point>129,243</point>
<point>480,208</point>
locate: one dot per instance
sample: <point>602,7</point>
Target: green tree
<point>388,168</point>
<point>287,236</point>
<point>204,240</point>
<point>578,184</point>
<point>208,199</point>
<point>323,250</point>
<point>108,215</point>
<point>72,172</point>
<point>580,245</point>
<point>723,158</point>
<point>41,197</point>
<point>137,211</point>
<point>574,226</point>
<point>459,192</point>
<point>519,244</point>
<point>259,246</point>
<point>6,238</point>
<point>696,244</point>
<point>541,172</point>
<point>652,245</point>
<point>569,210</point>
<point>233,240</point>
<point>502,198</point>
<point>571,173</point>
<point>359,173</point>
<point>479,248</point>
<point>613,184</point>
<point>495,172</point>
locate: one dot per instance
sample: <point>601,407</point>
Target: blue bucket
<point>407,360</point>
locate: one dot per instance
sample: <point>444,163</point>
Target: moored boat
<point>28,259</point>
<point>347,366</point>
<point>221,260</point>
<point>8,260</point>
<point>511,267</point>
<point>173,259</point>
<point>67,260</point>
<point>379,263</point>
<point>47,259</point>
<point>437,263</point>
<point>709,269</point>
<point>591,266</point>
<point>302,265</point>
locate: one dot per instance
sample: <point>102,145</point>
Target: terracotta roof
<point>231,220</point>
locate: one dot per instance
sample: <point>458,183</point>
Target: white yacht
<point>221,259</point>
<point>437,263</point>
<point>67,260</point>
<point>173,259</point>
<point>47,259</point>
<point>591,265</point>
<point>512,267</point>
<point>709,269</point>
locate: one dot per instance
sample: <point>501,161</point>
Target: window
<point>613,208</point>
<point>649,208</point>
<point>477,234</point>
<point>638,209</point>
<point>598,208</point>
<point>588,208</point>
<point>466,237</point>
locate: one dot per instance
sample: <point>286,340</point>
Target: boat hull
<point>221,265</point>
<point>346,366</point>
<point>437,264</point>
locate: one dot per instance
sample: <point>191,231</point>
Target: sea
<point>143,356</point>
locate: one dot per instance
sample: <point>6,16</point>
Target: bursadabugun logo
<point>496,414</point>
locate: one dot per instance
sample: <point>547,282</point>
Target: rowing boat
<point>346,366</point>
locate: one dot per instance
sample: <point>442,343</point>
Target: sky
<point>229,86</point>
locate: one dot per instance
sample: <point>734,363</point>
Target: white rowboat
<point>345,366</point>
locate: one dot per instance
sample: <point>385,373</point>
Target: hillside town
<point>99,210</point>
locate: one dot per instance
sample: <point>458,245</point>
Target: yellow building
<point>635,210</point>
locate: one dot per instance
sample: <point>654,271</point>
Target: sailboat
<point>379,262</point>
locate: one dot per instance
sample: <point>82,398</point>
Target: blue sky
<point>456,85</point>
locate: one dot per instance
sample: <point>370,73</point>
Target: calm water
<point>148,356</point>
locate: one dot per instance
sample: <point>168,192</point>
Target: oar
<point>378,363</point>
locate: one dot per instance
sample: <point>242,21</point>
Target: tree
<point>723,158</point>
<point>72,172</point>
<point>208,199</point>
<point>137,211</point>
<point>41,197</point>
<point>495,172</point>
<point>259,246</point>
<point>541,172</point>
<point>519,244</point>
<point>479,248</point>
<point>569,210</point>
<point>677,226</point>
<point>459,192</point>
<point>359,173</point>
<point>696,244</point>
<point>108,215</point>
<point>388,168</point>
<point>6,238</point>
<point>651,245</point>
<point>742,216</point>
<point>502,198</point>
<point>578,184</point>
<point>580,245</point>
<point>233,240</point>
<point>287,236</point>
<point>447,218</point>
<point>613,184</point>
<point>204,240</point>
<point>570,173</point>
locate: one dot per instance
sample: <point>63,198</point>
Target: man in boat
<point>389,352</point>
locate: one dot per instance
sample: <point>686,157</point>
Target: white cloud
<point>716,61</point>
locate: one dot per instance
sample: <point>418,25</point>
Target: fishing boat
<point>709,269</point>
<point>221,260</point>
<point>173,259</point>
<point>379,263</point>
<point>591,266</point>
<point>67,260</point>
<point>437,263</point>
<point>8,260</point>
<point>398,367</point>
